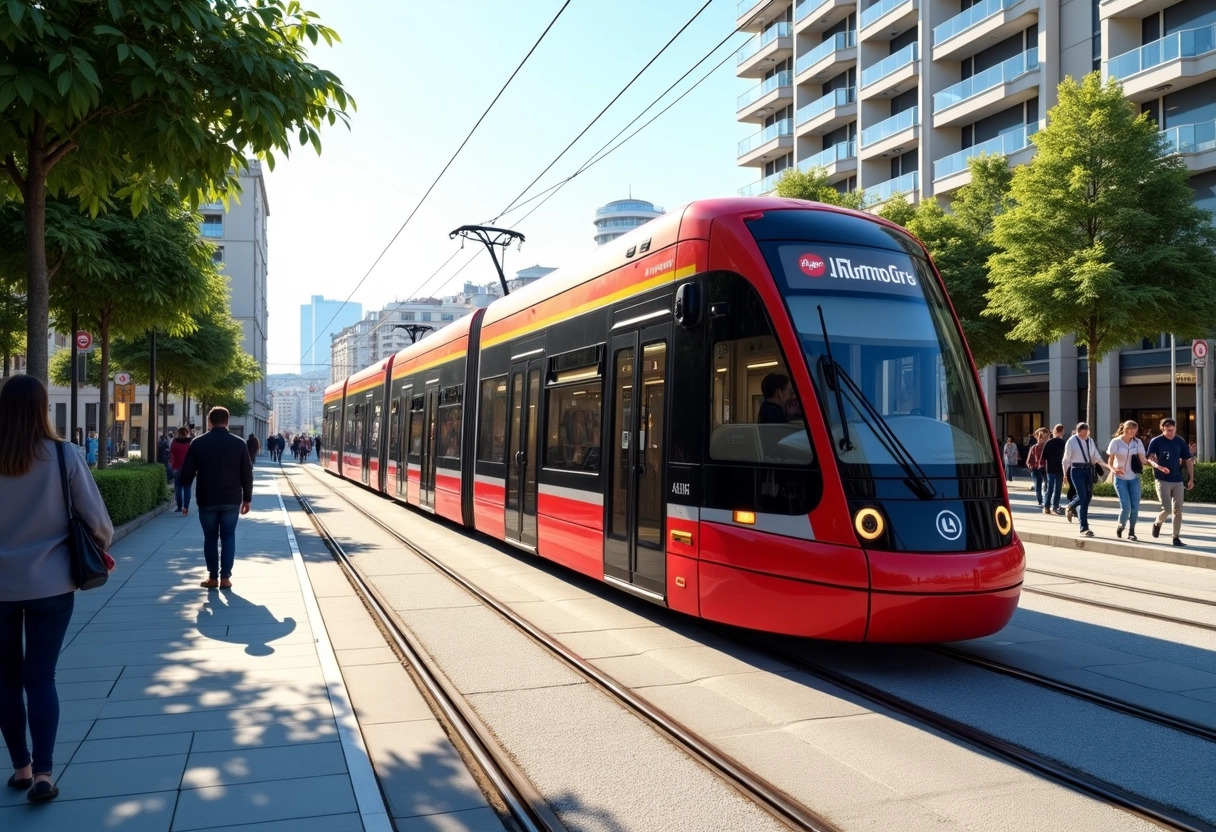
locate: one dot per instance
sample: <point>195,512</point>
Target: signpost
<point>84,340</point>
<point>122,378</point>
<point>1199,353</point>
<point>1199,360</point>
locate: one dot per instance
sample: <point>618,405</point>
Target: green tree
<point>93,94</point>
<point>1103,240</point>
<point>813,185</point>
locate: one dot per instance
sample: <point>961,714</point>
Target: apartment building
<point>894,96</point>
<point>622,216</point>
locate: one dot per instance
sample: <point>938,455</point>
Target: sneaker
<point>1132,536</point>
<point>1069,513</point>
<point>1178,541</point>
<point>1086,533</point>
<point>1119,532</point>
<point>1058,511</point>
<point>1156,529</point>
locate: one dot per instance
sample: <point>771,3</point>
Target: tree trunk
<point>103,406</point>
<point>37,295</point>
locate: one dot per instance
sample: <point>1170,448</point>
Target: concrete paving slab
<point>367,655</point>
<point>1160,675</point>
<point>128,813</point>
<point>328,823</point>
<point>266,735</point>
<point>384,693</point>
<point>272,800</point>
<point>252,765</point>
<point>419,772</point>
<point>107,778</point>
<point>470,820</point>
<point>133,748</point>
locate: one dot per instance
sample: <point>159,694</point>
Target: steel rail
<point>1125,587</point>
<point>1118,608</point>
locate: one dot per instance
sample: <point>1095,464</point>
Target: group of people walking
<point>301,446</point>
<point>1075,463</point>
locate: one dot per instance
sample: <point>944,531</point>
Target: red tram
<point>607,418</point>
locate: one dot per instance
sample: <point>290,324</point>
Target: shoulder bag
<point>89,567</point>
<point>1134,461</point>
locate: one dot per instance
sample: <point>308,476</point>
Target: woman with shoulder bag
<point>1127,458</point>
<point>1081,460</point>
<point>1036,464</point>
<point>37,590</point>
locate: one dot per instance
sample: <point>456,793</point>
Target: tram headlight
<point>1004,522</point>
<point>869,524</point>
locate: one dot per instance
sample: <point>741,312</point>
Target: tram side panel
<point>331,427</point>
<point>448,441</point>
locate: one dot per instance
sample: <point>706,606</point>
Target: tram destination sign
<point>837,269</point>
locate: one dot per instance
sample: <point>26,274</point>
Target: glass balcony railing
<point>764,186</point>
<point>970,17</point>
<point>781,79</point>
<point>1188,43</point>
<point>876,11</point>
<point>1192,138</point>
<point>836,153</point>
<point>1004,144</point>
<point>836,98</point>
<point>777,30</point>
<point>785,127</point>
<point>838,41</point>
<point>807,7</point>
<point>990,78</point>
<point>892,63</point>
<point>891,126</point>
<point>746,6</point>
<point>883,191</point>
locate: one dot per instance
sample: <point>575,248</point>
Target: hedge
<point>1203,492</point>
<point>132,489</point>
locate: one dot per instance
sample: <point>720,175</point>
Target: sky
<point>422,73</point>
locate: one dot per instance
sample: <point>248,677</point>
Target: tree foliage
<point>813,185</point>
<point>128,94</point>
<point>1103,240</point>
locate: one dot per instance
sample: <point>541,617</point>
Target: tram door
<point>371,449</point>
<point>633,540</point>
<point>398,440</point>
<point>430,431</point>
<point>524,408</point>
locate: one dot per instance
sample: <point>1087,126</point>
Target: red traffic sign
<point>122,379</point>
<point>84,340</point>
<point>1199,352</point>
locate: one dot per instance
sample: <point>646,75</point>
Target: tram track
<point>525,804</point>
<point>1137,589</point>
<point>756,789</point>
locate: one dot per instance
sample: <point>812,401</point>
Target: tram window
<point>449,431</point>
<point>492,433</point>
<point>573,440</point>
<point>354,436</point>
<point>374,447</point>
<point>416,428</point>
<point>394,433</point>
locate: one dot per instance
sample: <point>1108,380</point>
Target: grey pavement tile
<point>1205,695</point>
<point>367,655</point>
<point>352,634</point>
<point>135,726</point>
<point>184,681</point>
<point>227,656</point>
<point>135,813</point>
<point>419,771</point>
<point>132,748</point>
<point>289,656</point>
<point>217,697</point>
<point>83,690</point>
<point>470,820</point>
<point>342,608</point>
<point>110,779</point>
<point>267,734</point>
<point>251,765</point>
<point>384,693</point>
<point>1161,675</point>
<point>273,800</point>
<point>80,710</point>
<point>326,823</point>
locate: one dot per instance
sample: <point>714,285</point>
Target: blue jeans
<point>219,538</point>
<point>45,621</point>
<point>1054,483</point>
<point>181,493</point>
<point>1039,476</point>
<point>1082,479</point>
<point>1129,501</point>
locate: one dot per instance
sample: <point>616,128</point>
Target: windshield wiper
<point>828,365</point>
<point>918,480</point>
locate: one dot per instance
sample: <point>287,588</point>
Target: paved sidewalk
<point>189,709</point>
<point>1198,529</point>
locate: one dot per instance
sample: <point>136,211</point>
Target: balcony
<point>773,141</point>
<point>1138,9</point>
<point>891,136</point>
<point>770,94</point>
<point>976,28</point>
<point>820,15</point>
<point>887,16</point>
<point>837,162</point>
<point>833,56</point>
<point>1196,143</point>
<point>759,54</point>
<point>752,14</point>
<point>908,184</point>
<point>763,186</point>
<point>991,91</point>
<point>825,114</point>
<point>892,71</point>
<point>1179,60</point>
<point>948,168</point>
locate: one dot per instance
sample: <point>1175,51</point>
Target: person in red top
<point>1037,465</point>
<point>177,456</point>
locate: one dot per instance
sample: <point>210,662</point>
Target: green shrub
<point>1203,492</point>
<point>131,490</point>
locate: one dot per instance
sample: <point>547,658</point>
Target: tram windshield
<point>892,377</point>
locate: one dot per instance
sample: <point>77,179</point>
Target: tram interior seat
<point>784,444</point>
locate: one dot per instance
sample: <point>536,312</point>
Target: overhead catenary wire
<point>473,130</point>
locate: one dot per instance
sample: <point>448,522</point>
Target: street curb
<point>1111,547</point>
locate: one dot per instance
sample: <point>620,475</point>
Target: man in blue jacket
<point>225,491</point>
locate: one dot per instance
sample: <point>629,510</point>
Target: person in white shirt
<point>1125,451</point>
<point>1080,457</point>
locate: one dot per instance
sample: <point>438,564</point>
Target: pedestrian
<point>1170,452</point>
<point>1053,461</point>
<point>177,458</point>
<point>1010,455</point>
<point>1080,457</point>
<point>225,491</point>
<point>316,444</point>
<point>90,452</point>
<point>1036,465</point>
<point>254,447</point>
<point>37,592</point>
<point>162,455</point>
<point>1127,457</point>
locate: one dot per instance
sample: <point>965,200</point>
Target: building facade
<point>320,320</point>
<point>894,96</point>
<point>296,402</point>
<point>621,217</point>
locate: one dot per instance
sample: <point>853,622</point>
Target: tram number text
<point>681,489</point>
